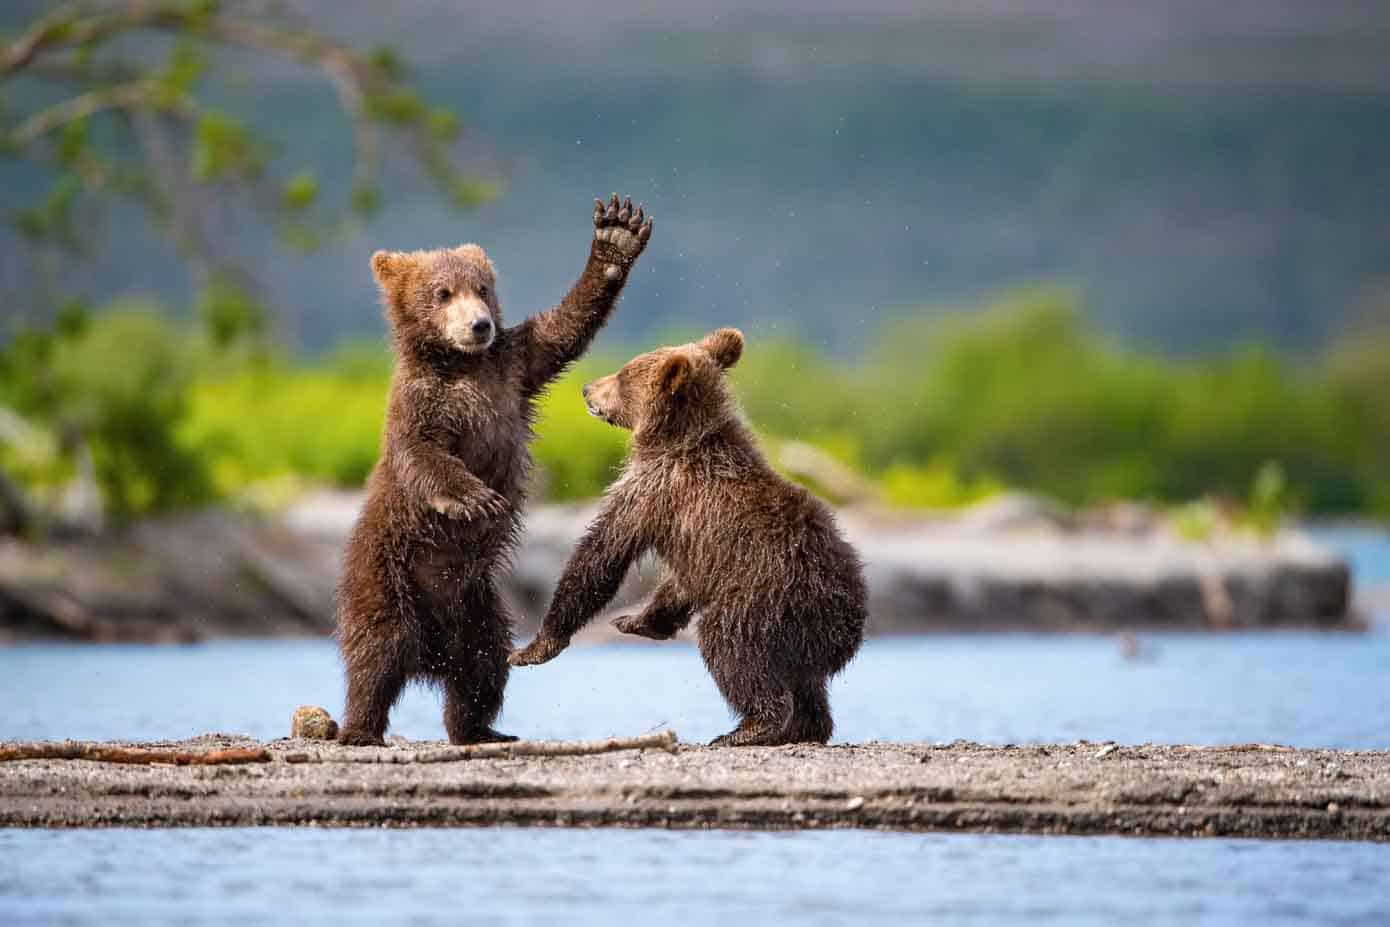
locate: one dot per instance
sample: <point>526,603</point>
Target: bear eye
<point>482,291</point>
<point>443,294</point>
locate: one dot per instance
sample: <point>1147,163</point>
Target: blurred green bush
<point>112,388</point>
<point>943,412</point>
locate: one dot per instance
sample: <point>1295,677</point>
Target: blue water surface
<point>515,876</point>
<point>1302,689</point>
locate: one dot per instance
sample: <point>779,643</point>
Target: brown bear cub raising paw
<point>780,592</point>
<point>417,598</point>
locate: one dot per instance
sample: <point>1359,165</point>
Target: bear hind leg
<point>811,721</point>
<point>377,671</point>
<point>476,676</point>
<point>763,704</point>
<point>472,701</point>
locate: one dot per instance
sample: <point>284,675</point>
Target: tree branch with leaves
<point>150,99</point>
<point>117,101</point>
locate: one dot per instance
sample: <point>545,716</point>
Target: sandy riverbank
<point>1082,788</point>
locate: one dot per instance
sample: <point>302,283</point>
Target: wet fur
<point>780,592</point>
<point>418,599</point>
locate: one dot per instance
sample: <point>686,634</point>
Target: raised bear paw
<point>637,624</point>
<point>620,234</point>
<point>541,650</point>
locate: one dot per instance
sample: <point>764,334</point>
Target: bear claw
<point>540,650</point>
<point>633,624</point>
<point>750,736</point>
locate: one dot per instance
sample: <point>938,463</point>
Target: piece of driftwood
<point>665,740</point>
<point>99,753</point>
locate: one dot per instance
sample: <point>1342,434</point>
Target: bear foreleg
<point>668,612</point>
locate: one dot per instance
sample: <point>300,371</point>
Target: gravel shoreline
<point>1253,790</point>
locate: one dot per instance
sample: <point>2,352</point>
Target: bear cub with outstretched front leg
<point>780,592</point>
<point>418,597</point>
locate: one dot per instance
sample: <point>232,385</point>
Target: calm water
<point>653,877</point>
<point>1367,549</point>
<point>1301,689</point>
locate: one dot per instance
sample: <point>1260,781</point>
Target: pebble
<point>311,722</point>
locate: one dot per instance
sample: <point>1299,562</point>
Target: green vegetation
<point>108,393</point>
<point>105,106</point>
<point>942,413</point>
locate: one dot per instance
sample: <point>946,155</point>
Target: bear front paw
<point>487,504</point>
<point>620,234</point>
<point>493,504</point>
<point>540,650</point>
<point>634,624</point>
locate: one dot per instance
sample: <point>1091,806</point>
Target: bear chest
<point>490,437</point>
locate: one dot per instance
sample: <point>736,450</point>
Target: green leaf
<point>470,194</point>
<point>401,107</point>
<point>300,192</point>
<point>60,30</point>
<point>444,125</point>
<point>52,220</point>
<point>71,142</point>
<point>366,199</point>
<point>385,60</point>
<point>223,148</point>
<point>186,66</point>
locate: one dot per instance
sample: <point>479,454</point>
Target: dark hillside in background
<point>1203,175</point>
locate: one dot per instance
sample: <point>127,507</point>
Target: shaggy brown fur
<point>417,598</point>
<point>780,592</point>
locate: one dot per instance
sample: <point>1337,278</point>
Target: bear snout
<point>589,402</point>
<point>469,325</point>
<point>596,400</point>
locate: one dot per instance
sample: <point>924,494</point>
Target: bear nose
<point>481,326</point>
<point>585,391</point>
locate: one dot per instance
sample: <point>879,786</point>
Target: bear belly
<point>502,460</point>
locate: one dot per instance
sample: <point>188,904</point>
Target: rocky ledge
<point>1081,788</point>
<point>1009,565</point>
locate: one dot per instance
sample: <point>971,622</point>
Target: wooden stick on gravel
<point>73,750</point>
<point>665,740</point>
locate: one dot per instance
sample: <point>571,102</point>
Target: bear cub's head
<point>444,300</point>
<point>669,391</point>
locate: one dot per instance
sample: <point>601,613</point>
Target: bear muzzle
<point>468,324</point>
<point>599,398</point>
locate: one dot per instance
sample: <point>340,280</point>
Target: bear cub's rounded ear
<point>725,345</point>
<point>387,266</point>
<point>674,373</point>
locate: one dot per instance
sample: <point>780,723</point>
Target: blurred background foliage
<point>193,188</point>
<point>1019,394</point>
